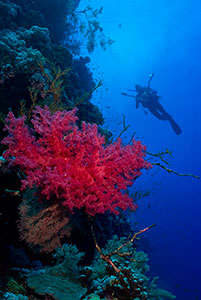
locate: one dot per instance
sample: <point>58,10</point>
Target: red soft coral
<point>74,165</point>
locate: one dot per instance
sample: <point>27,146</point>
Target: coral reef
<point>97,281</point>
<point>60,178</point>
<point>29,38</point>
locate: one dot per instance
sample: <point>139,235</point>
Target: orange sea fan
<point>44,230</point>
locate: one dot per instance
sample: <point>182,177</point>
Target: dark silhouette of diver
<point>149,99</point>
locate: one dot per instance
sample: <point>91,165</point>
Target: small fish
<point>12,193</point>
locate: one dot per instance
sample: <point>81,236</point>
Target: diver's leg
<point>157,114</point>
<point>163,113</point>
<point>166,116</point>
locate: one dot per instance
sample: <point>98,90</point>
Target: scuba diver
<point>149,99</point>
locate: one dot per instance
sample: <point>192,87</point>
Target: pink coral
<point>72,164</point>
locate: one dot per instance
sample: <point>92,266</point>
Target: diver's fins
<point>175,127</point>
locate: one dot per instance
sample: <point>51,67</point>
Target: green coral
<point>15,288</point>
<point>67,259</point>
<point>61,280</point>
<point>56,286</point>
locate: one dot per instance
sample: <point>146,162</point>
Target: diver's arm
<point>150,79</point>
<point>125,94</point>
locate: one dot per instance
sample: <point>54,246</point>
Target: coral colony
<point>73,164</point>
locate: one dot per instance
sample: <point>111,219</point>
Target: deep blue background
<point>163,37</point>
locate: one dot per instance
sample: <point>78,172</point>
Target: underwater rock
<point>90,113</point>
<point>8,12</point>
<point>18,257</point>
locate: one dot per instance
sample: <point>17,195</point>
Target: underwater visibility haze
<point>100,150</point>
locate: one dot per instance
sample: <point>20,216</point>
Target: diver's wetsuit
<point>150,100</point>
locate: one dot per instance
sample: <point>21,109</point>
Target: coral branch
<point>106,258</point>
<point>174,172</point>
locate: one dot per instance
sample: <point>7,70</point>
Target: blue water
<point>163,37</point>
